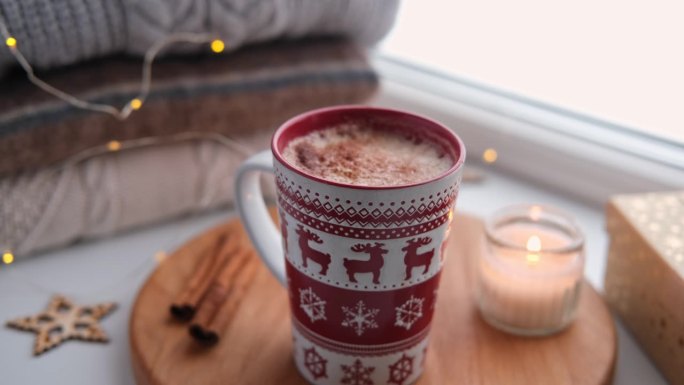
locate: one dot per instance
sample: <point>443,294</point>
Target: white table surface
<point>113,269</point>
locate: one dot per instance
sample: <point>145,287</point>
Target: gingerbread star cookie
<point>64,320</point>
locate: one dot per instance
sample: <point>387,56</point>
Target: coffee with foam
<point>353,154</point>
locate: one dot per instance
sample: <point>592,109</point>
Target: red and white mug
<point>361,264</point>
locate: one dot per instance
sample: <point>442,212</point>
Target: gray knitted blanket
<point>59,32</point>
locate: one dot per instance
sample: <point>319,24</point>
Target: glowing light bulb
<point>7,257</point>
<point>114,145</point>
<point>489,155</point>
<point>160,256</point>
<point>136,104</point>
<point>218,46</point>
<point>11,42</point>
<point>533,247</point>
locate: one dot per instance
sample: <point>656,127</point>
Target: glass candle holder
<point>530,270</point>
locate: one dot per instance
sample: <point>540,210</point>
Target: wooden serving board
<point>255,347</point>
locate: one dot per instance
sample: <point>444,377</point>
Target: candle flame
<point>534,244</point>
<point>533,247</point>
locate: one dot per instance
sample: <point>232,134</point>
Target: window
<point>614,60</point>
<point>594,89</point>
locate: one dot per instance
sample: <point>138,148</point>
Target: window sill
<point>586,158</point>
<point>127,260</point>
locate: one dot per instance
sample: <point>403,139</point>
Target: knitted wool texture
<point>47,200</point>
<point>256,87</point>
<point>52,33</point>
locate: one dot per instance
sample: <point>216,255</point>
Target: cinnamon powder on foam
<point>357,155</point>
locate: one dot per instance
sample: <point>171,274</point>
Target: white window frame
<point>587,158</point>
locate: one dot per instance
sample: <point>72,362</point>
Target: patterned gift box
<point>644,280</point>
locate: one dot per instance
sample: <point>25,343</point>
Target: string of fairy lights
<point>171,241</point>
<point>216,45</point>
<point>13,44</point>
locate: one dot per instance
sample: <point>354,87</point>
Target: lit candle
<point>530,271</point>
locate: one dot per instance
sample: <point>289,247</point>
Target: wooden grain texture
<point>255,347</point>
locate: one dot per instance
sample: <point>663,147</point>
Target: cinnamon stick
<point>236,295</point>
<point>185,304</point>
<point>222,299</point>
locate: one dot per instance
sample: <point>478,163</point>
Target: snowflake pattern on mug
<point>312,304</point>
<point>357,374</point>
<point>360,317</point>
<point>410,312</point>
<point>315,363</point>
<point>401,370</point>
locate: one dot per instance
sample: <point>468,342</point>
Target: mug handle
<point>250,203</point>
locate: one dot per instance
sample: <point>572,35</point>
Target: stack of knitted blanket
<point>68,174</point>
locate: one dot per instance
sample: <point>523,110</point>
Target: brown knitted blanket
<point>47,199</point>
<point>254,88</point>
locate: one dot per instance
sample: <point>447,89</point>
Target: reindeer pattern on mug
<point>367,265</point>
<point>344,257</point>
<point>412,258</point>
<point>310,253</point>
<point>373,265</point>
